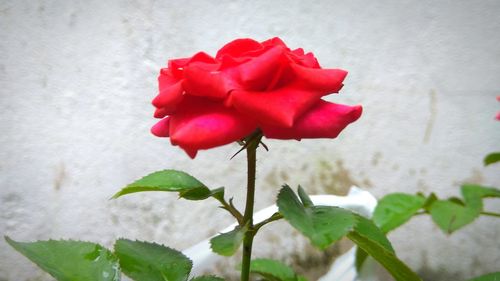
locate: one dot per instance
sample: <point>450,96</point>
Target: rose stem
<point>490,214</point>
<point>252,145</point>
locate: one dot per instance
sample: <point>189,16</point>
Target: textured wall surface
<point>77,77</point>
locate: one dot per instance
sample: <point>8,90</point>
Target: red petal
<point>162,128</point>
<point>206,124</point>
<point>278,108</point>
<point>276,41</point>
<point>257,73</point>
<point>169,97</point>
<point>161,112</point>
<point>191,152</point>
<point>204,82</point>
<point>176,66</point>
<point>307,60</point>
<point>202,57</point>
<point>325,120</point>
<point>325,80</point>
<point>229,62</point>
<point>238,47</point>
<point>166,78</point>
<point>298,52</point>
<point>498,114</point>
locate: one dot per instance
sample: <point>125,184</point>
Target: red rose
<point>206,101</point>
<point>498,114</point>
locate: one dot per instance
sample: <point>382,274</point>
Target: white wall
<point>77,77</point>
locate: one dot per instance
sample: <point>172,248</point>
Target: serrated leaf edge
<point>283,189</point>
<point>244,229</point>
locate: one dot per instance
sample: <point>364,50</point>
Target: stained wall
<point>77,77</point>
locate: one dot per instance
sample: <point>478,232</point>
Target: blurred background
<point>77,78</point>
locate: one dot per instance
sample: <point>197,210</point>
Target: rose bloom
<point>206,101</point>
<point>498,114</point>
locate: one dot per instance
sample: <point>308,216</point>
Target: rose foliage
<point>206,101</point>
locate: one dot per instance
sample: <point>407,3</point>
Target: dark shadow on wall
<point>440,274</point>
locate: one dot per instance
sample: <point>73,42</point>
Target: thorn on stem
<point>264,145</point>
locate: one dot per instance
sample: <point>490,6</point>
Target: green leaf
<point>359,258</point>
<point>450,216</point>
<point>473,194</point>
<point>170,180</point>
<point>495,276</point>
<point>429,201</point>
<point>386,257</point>
<point>274,270</point>
<point>491,158</point>
<point>226,244</point>
<point>330,224</point>
<point>207,278</point>
<point>395,209</point>
<point>453,213</point>
<point>367,228</point>
<point>457,200</point>
<point>218,193</point>
<point>392,211</point>
<point>306,201</point>
<point>68,260</point>
<point>321,224</point>
<point>324,225</point>
<point>150,261</point>
<point>294,211</point>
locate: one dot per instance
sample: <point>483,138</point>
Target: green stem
<point>276,216</point>
<point>491,214</point>
<point>231,209</point>
<point>252,144</point>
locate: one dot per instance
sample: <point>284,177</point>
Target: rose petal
<point>229,62</point>
<point>166,78</point>
<point>191,152</point>
<point>274,42</point>
<point>161,112</point>
<point>258,73</point>
<point>202,57</point>
<point>161,128</point>
<point>176,67</point>
<point>205,80</point>
<point>238,47</point>
<point>324,80</point>
<point>169,97</point>
<point>498,114</point>
<point>324,120</point>
<point>298,52</point>
<point>205,124</point>
<point>307,60</point>
<point>278,108</point>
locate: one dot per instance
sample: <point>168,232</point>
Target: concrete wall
<point>77,77</point>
